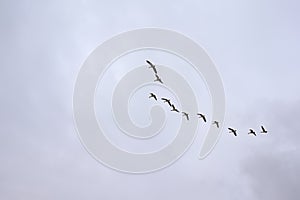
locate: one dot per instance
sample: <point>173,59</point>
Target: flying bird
<point>185,115</point>
<point>153,96</point>
<point>174,109</point>
<point>252,132</point>
<point>152,66</point>
<point>216,123</point>
<point>263,130</point>
<point>158,79</point>
<point>202,116</point>
<point>167,101</point>
<point>231,130</point>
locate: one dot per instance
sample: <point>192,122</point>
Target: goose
<point>158,79</point>
<point>216,123</point>
<point>202,116</point>
<point>174,109</point>
<point>185,115</point>
<point>167,101</point>
<point>263,130</point>
<point>252,132</point>
<point>152,66</point>
<point>231,130</point>
<point>153,96</point>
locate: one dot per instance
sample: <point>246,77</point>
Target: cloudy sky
<point>255,46</point>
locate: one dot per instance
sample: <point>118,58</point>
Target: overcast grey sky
<point>255,46</point>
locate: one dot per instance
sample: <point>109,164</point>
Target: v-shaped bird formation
<point>186,115</point>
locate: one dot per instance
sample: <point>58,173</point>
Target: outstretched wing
<point>147,61</point>
<point>234,133</point>
<point>154,69</point>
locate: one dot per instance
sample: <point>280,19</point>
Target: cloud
<point>272,169</point>
<point>42,48</point>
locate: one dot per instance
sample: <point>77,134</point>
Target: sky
<point>254,45</point>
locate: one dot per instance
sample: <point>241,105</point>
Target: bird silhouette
<point>202,116</point>
<point>167,101</point>
<point>231,130</point>
<point>216,123</point>
<point>153,96</point>
<point>263,130</point>
<point>174,109</point>
<point>185,115</point>
<point>252,132</point>
<point>158,79</point>
<point>152,66</point>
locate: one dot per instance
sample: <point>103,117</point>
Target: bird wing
<point>186,115</point>
<point>158,78</point>
<point>154,69</point>
<point>166,100</point>
<point>202,116</point>
<point>263,129</point>
<point>149,63</point>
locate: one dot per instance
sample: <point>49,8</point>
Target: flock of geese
<point>185,114</point>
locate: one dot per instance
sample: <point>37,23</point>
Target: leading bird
<point>152,66</point>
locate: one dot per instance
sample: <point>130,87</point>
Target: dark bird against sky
<point>174,109</point>
<point>152,66</point>
<point>263,130</point>
<point>231,130</point>
<point>153,96</point>
<point>185,115</point>
<point>167,101</point>
<point>252,132</point>
<point>158,79</point>
<point>202,116</point>
<point>216,123</point>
